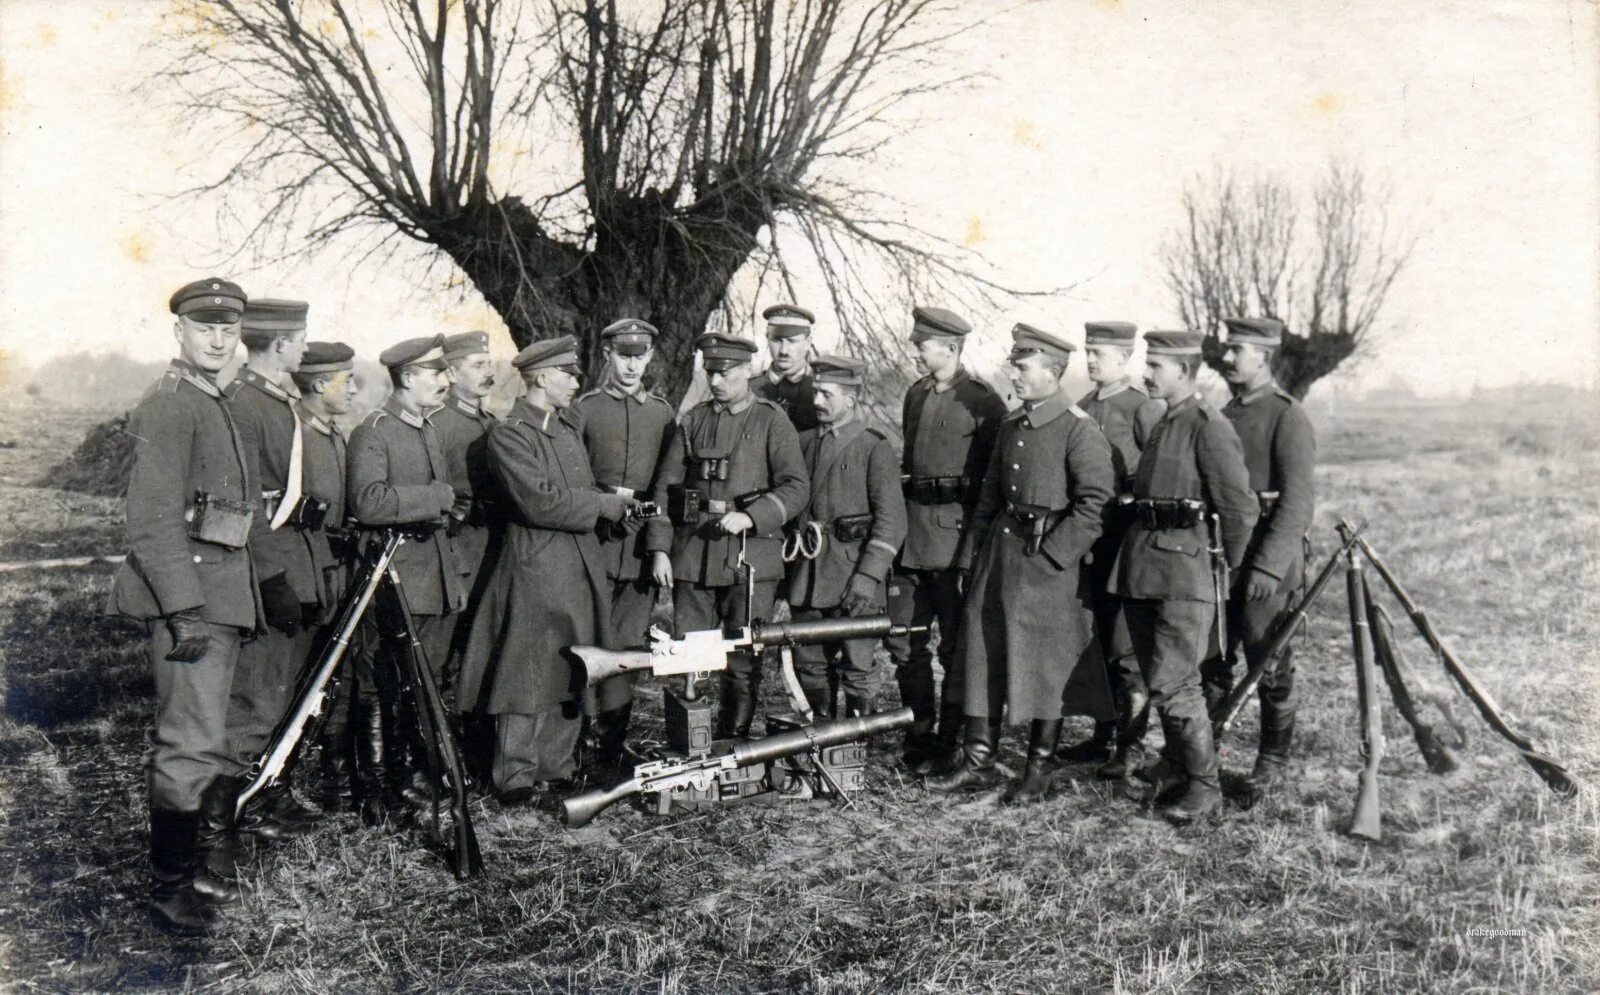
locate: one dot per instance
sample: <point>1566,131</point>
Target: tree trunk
<point>545,288</point>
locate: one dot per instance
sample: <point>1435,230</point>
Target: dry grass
<point>1490,519</point>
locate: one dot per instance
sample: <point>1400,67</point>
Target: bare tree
<point>582,160</point>
<point>1242,251</point>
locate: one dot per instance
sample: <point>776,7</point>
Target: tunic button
<point>1019,443</point>
<point>1016,466</point>
<point>197,557</point>
<point>1006,530</point>
<point>1013,486</point>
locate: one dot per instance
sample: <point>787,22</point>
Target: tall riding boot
<point>267,815</point>
<point>1097,747</point>
<point>976,770</point>
<point>1133,718</point>
<point>174,904</point>
<point>368,793</point>
<point>335,769</point>
<point>1043,734</point>
<point>1272,760</point>
<point>611,740</point>
<point>946,751</point>
<point>216,876</point>
<point>286,807</point>
<point>1203,796</point>
<point>399,731</point>
<point>916,693</point>
<point>821,702</point>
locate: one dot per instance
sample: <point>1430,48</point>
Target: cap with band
<point>1027,338</point>
<point>630,336</point>
<point>834,368</point>
<point>268,315</point>
<point>212,300</point>
<point>428,352</point>
<point>1121,333</point>
<point>326,357</point>
<point>785,321</point>
<point>721,352</point>
<point>548,353</point>
<point>937,322</point>
<point>465,344</point>
<point>1254,331</point>
<point>1173,343</point>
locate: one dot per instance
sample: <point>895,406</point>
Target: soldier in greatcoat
<point>1280,452</point>
<point>788,380</point>
<point>1127,415</point>
<point>188,576</point>
<point>283,542</point>
<point>846,539</point>
<point>398,475</point>
<point>1027,642</point>
<point>1191,469</point>
<point>624,427</point>
<point>730,478</point>
<point>547,589</point>
<point>948,419</point>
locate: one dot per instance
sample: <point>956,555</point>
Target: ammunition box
<point>689,725</point>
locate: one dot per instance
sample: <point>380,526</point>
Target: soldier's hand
<point>736,523</point>
<point>1258,586</point>
<point>661,570</point>
<point>190,637</point>
<point>963,580</point>
<point>615,507</point>
<point>860,595</point>
<point>445,494</point>
<point>280,605</point>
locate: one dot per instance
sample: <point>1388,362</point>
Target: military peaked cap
<point>1254,331</point>
<point>465,344</point>
<point>547,353</point>
<point>1109,333</point>
<point>785,321</point>
<point>721,352</point>
<point>1173,343</point>
<point>210,300</point>
<point>1026,338</point>
<point>327,357</point>
<point>630,336</point>
<point>267,315</point>
<point>932,322</point>
<point>833,368</point>
<point>427,352</point>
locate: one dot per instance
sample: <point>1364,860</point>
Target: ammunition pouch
<point>936,490</point>
<point>852,528</point>
<point>1037,521</point>
<point>219,521</point>
<point>309,513</point>
<point>1169,513</point>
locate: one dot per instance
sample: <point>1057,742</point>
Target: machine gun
<point>699,772</point>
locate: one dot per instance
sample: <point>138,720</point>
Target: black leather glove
<point>280,605</point>
<point>190,637</point>
<point>859,596</point>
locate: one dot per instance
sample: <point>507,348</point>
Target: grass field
<point>1484,881</point>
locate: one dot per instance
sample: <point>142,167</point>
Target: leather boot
<point>946,752</point>
<point>368,784</point>
<point>611,740</point>
<point>976,769</point>
<point>736,709</point>
<point>1272,759</point>
<point>174,904</point>
<point>1043,734</point>
<point>1133,719</point>
<point>921,741</point>
<point>267,817</point>
<point>287,807</point>
<point>1123,764</point>
<point>821,702</point>
<point>1094,749</point>
<point>1202,797</point>
<point>335,771</point>
<point>216,876</point>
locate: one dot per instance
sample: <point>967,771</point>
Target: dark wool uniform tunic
<point>184,442</point>
<point>795,394</point>
<point>949,432</point>
<point>1280,452</point>
<point>1028,638</point>
<point>463,430</point>
<point>325,456</point>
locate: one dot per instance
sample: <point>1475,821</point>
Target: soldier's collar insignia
<point>393,407</point>
<point>1048,410</point>
<point>735,408</point>
<point>1113,389</point>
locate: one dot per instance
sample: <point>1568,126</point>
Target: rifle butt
<point>601,664</point>
<point>1366,822</point>
<point>580,810</point>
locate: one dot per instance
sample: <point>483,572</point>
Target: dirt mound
<point>100,465</point>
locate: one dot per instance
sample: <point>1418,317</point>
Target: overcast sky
<point>1065,167</point>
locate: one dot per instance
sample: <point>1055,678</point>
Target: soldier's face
<point>627,371</point>
<point>788,353</point>
<point>1105,362</point>
<point>1032,378</point>
<point>429,386</point>
<point>1242,362</point>
<point>474,375</point>
<point>206,345</point>
<point>833,402</point>
<point>935,355</point>
<point>1164,377</point>
<point>731,385</point>
<point>560,386</point>
<point>339,392</point>
<point>290,349</point>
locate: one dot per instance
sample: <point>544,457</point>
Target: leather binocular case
<point>852,528</point>
<point>219,520</point>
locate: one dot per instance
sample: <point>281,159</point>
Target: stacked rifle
<point>1376,651</point>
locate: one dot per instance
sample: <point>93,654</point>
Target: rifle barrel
<point>827,630</point>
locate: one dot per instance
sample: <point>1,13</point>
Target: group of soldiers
<point>1063,558</point>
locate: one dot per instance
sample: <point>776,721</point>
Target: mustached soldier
<point>1192,467</point>
<point>789,379</point>
<point>623,427</point>
<point>262,400</point>
<point>548,588</point>
<point>731,477</point>
<point>1280,452</point>
<point>188,577</point>
<point>1027,642</point>
<point>949,419</point>
<point>855,521</point>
